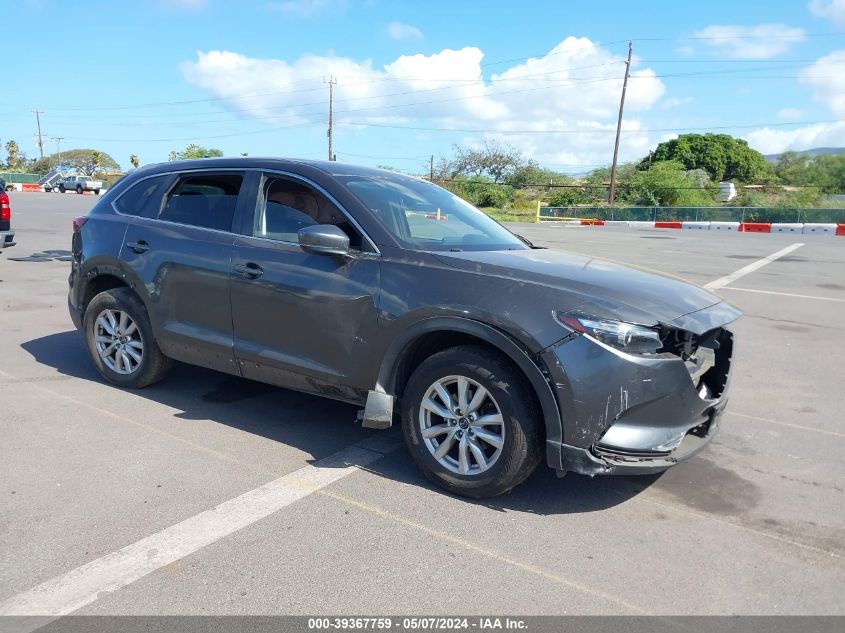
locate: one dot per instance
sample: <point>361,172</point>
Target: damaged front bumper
<point>628,414</point>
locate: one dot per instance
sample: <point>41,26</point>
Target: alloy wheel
<point>118,341</point>
<point>461,425</point>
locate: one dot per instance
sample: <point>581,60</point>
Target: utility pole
<point>612,197</point>
<point>332,83</point>
<point>38,114</point>
<point>431,168</point>
<point>58,140</point>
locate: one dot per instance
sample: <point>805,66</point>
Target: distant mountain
<point>773,158</point>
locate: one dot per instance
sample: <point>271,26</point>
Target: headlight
<point>630,338</point>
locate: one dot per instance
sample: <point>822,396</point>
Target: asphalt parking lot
<point>753,525</point>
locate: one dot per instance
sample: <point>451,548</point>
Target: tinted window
<point>143,198</point>
<point>207,201</point>
<point>288,206</point>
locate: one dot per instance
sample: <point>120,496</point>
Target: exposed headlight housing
<point>627,337</point>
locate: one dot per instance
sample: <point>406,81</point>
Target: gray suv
<point>391,293</point>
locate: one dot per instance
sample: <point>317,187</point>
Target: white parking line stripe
<point>800,427</point>
<point>724,281</point>
<point>784,294</point>
<point>81,586</point>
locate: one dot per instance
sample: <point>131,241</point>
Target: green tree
<point>667,183</point>
<point>824,171</point>
<point>195,151</point>
<point>722,156</point>
<point>86,161</point>
<point>15,159</point>
<point>135,161</point>
<point>493,159</point>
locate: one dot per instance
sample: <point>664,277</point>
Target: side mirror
<point>324,239</point>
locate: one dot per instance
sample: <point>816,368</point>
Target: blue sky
<point>150,76</point>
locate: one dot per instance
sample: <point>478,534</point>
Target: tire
<point>508,392</point>
<point>153,365</point>
<point>79,189</point>
<point>61,188</point>
<point>96,192</point>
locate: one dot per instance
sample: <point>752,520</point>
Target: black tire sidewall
<point>151,360</point>
<point>521,450</point>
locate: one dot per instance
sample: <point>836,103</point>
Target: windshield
<point>423,216</point>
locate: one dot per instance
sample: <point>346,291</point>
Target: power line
<point>604,131</point>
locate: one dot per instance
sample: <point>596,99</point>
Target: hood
<point>596,287</point>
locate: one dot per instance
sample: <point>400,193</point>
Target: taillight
<point>5,209</point>
<point>78,222</point>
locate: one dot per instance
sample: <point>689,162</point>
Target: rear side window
<point>143,198</point>
<point>206,201</point>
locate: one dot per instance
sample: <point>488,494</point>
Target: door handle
<point>140,246</point>
<point>250,270</point>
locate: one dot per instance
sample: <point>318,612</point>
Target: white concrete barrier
<point>639,224</point>
<point>827,229</point>
<point>787,227</point>
<point>724,226</point>
<point>696,226</point>
<point>616,222</point>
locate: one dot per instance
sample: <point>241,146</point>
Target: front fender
<point>530,367</point>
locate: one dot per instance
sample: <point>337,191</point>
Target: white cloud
<point>833,10</point>
<point>575,86</point>
<point>674,102</point>
<point>305,8</point>
<point>762,41</point>
<point>773,141</point>
<point>826,77</point>
<point>790,114</point>
<point>402,31</point>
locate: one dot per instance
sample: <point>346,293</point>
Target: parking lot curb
<point>741,227</point>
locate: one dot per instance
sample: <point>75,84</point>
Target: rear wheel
<point>471,423</point>
<point>61,188</point>
<point>120,340</point>
<point>79,189</point>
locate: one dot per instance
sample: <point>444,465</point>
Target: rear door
<point>302,320</point>
<point>179,249</point>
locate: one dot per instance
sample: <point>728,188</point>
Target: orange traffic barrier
<point>30,186</point>
<point>592,222</point>
<point>668,225</point>
<point>840,229</point>
<point>755,227</point>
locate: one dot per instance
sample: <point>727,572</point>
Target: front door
<point>302,320</point>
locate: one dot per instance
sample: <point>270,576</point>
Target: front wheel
<point>471,422</point>
<point>120,340</point>
<point>79,189</point>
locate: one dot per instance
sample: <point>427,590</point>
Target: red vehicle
<point>7,235</point>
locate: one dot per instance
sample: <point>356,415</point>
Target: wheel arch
<point>435,334</point>
<point>100,281</point>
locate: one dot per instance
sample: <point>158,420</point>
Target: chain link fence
<point>695,214</point>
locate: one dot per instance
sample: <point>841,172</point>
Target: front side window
<point>143,198</point>
<point>287,206</point>
<point>423,216</point>
<point>206,201</point>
